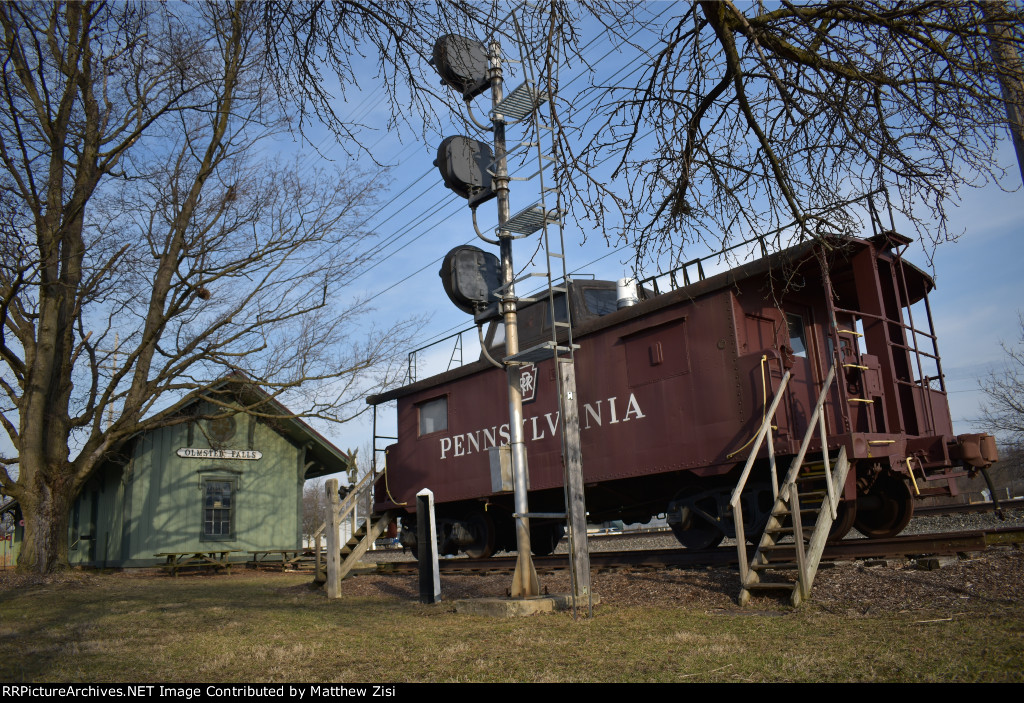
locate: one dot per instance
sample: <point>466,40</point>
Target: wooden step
<point>817,475</point>
<point>810,496</point>
<point>778,565</point>
<point>784,512</point>
<point>770,586</point>
<point>816,467</point>
<point>782,545</point>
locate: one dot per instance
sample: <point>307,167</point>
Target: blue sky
<point>979,295</point>
<point>979,291</point>
<point>976,304</point>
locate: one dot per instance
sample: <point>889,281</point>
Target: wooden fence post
<point>333,541</point>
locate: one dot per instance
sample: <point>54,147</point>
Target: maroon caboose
<point>672,390</point>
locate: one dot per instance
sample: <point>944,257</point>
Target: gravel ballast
<point>859,587</point>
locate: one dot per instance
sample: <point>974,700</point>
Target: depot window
<point>433,415</point>
<point>219,509</point>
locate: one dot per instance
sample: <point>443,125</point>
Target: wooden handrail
<point>734,500</point>
<point>364,484</point>
<point>787,492</point>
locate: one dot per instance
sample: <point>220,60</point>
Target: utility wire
<point>407,228</point>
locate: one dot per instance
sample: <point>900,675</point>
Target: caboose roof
<point>918,283</point>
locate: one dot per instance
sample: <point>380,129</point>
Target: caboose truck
<point>673,389</point>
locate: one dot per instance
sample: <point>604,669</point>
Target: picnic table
<point>216,559</point>
<point>283,559</point>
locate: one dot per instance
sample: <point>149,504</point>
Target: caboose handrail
<point>699,262</point>
<point>410,376</point>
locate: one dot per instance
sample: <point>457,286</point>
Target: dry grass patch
<point>273,628</point>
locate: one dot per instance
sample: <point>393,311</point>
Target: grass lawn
<point>270,627</point>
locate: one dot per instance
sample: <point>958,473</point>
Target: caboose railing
<point>455,358</point>
<point>646,285</point>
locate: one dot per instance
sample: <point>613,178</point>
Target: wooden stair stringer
<point>373,528</point>
<point>777,527</point>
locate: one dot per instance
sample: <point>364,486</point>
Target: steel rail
<point>907,546</point>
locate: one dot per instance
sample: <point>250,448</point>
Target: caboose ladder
<point>795,504</point>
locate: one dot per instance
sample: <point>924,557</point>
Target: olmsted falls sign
<point>198,453</point>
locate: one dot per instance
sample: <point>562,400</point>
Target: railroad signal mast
<point>481,283</point>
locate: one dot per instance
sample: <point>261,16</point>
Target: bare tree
<point>314,507</point>
<point>1010,69</point>
<point>1003,412</point>
<point>763,118</point>
<point>318,47</point>
<point>148,246</point>
<point>755,119</point>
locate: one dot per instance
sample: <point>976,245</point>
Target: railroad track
<point>907,546</point>
<point>967,507</point>
<point>919,511</point>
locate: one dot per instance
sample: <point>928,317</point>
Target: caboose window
<point>434,415</point>
<point>797,337</point>
<point>600,301</point>
<point>859,327</point>
<point>561,311</point>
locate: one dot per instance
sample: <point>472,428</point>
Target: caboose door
<point>803,383</point>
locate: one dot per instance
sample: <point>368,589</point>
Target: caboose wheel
<point>544,538</point>
<point>688,516</point>
<point>407,533</point>
<point>846,514</point>
<point>758,502</point>
<point>482,527</point>
<point>886,509</point>
<point>694,533</point>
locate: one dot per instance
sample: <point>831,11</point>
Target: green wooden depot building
<point>230,483</point>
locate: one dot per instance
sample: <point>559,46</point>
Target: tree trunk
<point>1011,75</point>
<point>44,547</point>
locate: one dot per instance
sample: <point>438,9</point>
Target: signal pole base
<point>524,581</point>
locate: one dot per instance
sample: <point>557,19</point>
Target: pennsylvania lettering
<point>611,411</point>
